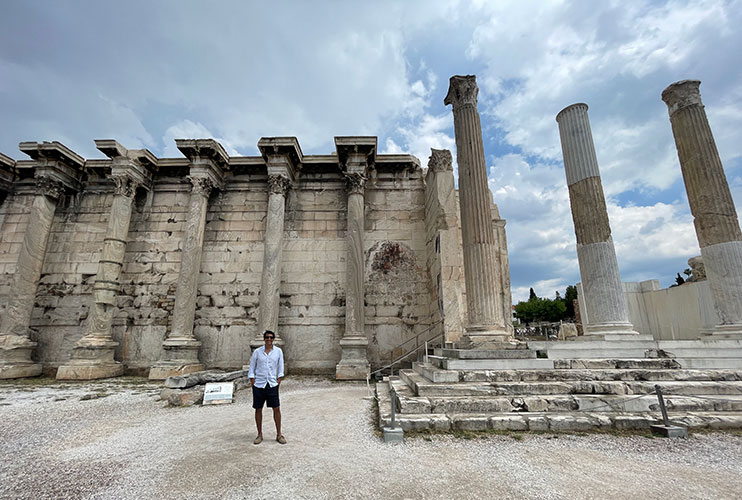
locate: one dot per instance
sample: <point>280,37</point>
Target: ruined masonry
<point>164,266</point>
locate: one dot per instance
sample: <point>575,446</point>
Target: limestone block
<point>537,423</point>
<point>632,422</point>
<point>183,397</point>
<point>468,422</point>
<point>508,423</point>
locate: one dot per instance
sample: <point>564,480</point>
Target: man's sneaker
<point>281,439</point>
<point>258,439</point>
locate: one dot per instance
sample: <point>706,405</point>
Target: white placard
<point>216,393</point>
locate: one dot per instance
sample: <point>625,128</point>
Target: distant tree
<point>679,280</point>
<point>688,272</point>
<point>531,294</point>
<point>539,309</point>
<point>570,294</point>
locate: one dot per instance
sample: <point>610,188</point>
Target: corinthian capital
<point>355,182</point>
<point>440,160</point>
<point>201,185</point>
<point>49,187</point>
<point>462,91</point>
<point>682,94</point>
<point>124,185</point>
<point>279,184</point>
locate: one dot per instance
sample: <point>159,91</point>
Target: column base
<point>733,332</point>
<point>91,359</point>
<point>15,357</point>
<point>488,337</point>
<point>353,363</point>
<point>612,331</point>
<point>180,357</point>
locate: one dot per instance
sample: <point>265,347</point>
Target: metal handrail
<point>411,351</point>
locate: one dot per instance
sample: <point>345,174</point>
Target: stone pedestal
<point>58,168</point>
<point>93,354</point>
<point>710,200</point>
<point>481,268</point>
<point>354,154</point>
<point>180,348</point>
<point>607,312</point>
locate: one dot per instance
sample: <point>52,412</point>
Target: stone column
<point>354,153</point>
<point>607,312</point>
<point>180,348</point>
<point>57,169</point>
<point>481,267</point>
<point>270,279</point>
<point>93,354</point>
<point>283,159</point>
<point>714,214</point>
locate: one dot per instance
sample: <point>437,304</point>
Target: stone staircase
<point>514,390</point>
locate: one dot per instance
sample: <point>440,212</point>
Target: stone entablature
<point>399,296</point>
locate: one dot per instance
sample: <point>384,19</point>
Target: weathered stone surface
<point>481,267</point>
<point>508,423</point>
<point>183,397</point>
<point>711,203</point>
<point>200,378</point>
<point>607,312</point>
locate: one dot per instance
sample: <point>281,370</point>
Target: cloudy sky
<point>147,72</point>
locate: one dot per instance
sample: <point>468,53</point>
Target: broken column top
<point>570,107</point>
<point>462,91</point>
<point>682,94</point>
<point>440,160</point>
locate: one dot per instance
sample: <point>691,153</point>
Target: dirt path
<point>127,445</point>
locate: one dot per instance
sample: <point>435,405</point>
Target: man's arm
<point>280,366</point>
<point>251,371</point>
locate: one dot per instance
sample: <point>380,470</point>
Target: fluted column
<point>180,348</point>
<point>607,311</point>
<point>481,266</point>
<point>15,344</point>
<point>710,200</point>
<point>356,155</point>
<point>270,279</point>
<point>354,361</point>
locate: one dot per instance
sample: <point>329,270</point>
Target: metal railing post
<point>393,397</point>
<point>665,420</point>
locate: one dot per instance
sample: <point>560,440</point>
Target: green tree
<point>531,294</point>
<point>569,297</point>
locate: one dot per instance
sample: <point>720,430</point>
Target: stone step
<point>709,363</point>
<point>594,349</point>
<point>496,364</point>
<point>621,364</point>
<point>598,375</point>
<point>423,387</point>
<point>561,422</point>
<point>487,353</point>
<point>562,403</point>
<point>434,374</point>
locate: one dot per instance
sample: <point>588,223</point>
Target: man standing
<point>266,372</point>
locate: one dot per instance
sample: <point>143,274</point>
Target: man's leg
<point>277,420</point>
<point>259,420</point>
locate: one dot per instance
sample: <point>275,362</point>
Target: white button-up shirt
<point>266,368</point>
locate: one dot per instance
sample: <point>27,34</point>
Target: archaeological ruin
<point>161,266</point>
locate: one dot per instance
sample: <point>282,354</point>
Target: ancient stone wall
<point>399,292</point>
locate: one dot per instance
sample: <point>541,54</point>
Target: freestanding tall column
<point>57,169</point>
<point>355,154</point>
<point>180,348</point>
<point>714,214</point>
<point>93,354</point>
<point>283,159</point>
<point>607,312</point>
<point>481,267</point>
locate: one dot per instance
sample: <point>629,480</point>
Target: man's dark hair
<point>268,332</point>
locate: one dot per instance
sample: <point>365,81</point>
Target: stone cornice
<point>7,173</point>
<point>138,165</point>
<point>462,91</point>
<point>207,159</point>
<point>356,154</point>
<point>282,155</point>
<point>54,160</point>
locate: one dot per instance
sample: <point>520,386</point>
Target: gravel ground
<point>116,440</point>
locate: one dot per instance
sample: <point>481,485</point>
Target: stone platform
<point>568,395</point>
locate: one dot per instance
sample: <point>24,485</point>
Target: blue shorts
<point>267,394</point>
